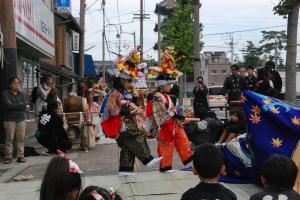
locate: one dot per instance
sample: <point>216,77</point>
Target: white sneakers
<point>151,163</point>
<point>154,161</point>
<point>170,171</point>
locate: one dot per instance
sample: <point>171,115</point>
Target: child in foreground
<point>62,180</point>
<point>208,165</point>
<point>278,178</point>
<point>97,193</point>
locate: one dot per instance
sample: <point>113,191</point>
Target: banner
<point>35,25</point>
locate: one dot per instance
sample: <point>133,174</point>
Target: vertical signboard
<point>75,41</point>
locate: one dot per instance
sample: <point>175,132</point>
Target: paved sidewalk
<point>100,167</point>
<point>144,186</point>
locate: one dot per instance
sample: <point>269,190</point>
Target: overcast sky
<point>217,16</point>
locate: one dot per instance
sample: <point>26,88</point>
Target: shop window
<point>213,72</point>
<point>224,71</point>
<point>29,80</point>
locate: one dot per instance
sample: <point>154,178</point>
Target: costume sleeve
<point>161,112</point>
<point>113,106</point>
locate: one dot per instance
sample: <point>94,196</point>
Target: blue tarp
<point>89,67</point>
<point>274,128</point>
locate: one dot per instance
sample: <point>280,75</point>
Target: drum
<point>73,105</point>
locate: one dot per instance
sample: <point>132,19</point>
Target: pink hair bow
<point>96,195</point>
<point>112,193</point>
<point>74,168</point>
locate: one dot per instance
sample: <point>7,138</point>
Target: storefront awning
<point>89,67</point>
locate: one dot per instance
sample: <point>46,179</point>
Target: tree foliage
<point>273,40</point>
<point>251,55</point>
<point>177,31</point>
<point>285,7</point>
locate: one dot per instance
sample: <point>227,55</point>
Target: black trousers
<point>133,146</point>
<point>55,143</point>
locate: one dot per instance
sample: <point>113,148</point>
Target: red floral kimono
<point>125,130</point>
<point>170,134</point>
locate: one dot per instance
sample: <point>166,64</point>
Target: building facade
<point>217,68</point>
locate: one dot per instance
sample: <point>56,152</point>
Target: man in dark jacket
<point>234,85</point>
<point>51,133</point>
<point>14,103</point>
<point>269,81</point>
<point>200,92</point>
<point>251,79</point>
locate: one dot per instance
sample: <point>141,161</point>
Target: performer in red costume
<point>170,132</point>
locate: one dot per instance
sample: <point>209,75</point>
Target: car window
<point>215,91</point>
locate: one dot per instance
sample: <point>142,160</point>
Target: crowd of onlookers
<point>62,179</point>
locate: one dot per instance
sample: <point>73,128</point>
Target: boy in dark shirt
<point>278,177</point>
<point>208,165</point>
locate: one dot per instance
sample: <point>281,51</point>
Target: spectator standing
<point>243,72</point>
<point>269,81</point>
<point>200,92</point>
<point>251,79</point>
<point>42,93</point>
<point>233,85</point>
<point>14,119</point>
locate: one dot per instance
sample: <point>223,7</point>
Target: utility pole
<point>7,18</point>
<point>81,41</point>
<point>141,17</point>
<point>134,40</point>
<point>197,67</point>
<point>231,45</point>
<point>158,39</point>
<point>142,29</point>
<point>103,40</point>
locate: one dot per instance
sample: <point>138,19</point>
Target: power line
<point>91,5</point>
<point>241,31</point>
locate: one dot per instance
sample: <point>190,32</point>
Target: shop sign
<point>35,25</point>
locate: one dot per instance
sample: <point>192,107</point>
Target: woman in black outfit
<point>51,133</point>
<point>200,92</point>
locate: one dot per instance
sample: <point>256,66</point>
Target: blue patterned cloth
<point>273,128</point>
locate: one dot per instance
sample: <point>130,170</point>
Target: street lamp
<point>134,40</point>
<point>118,36</point>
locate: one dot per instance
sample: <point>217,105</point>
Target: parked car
<point>216,99</point>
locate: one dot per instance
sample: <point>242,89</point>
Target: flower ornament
<point>73,167</point>
<point>167,67</point>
